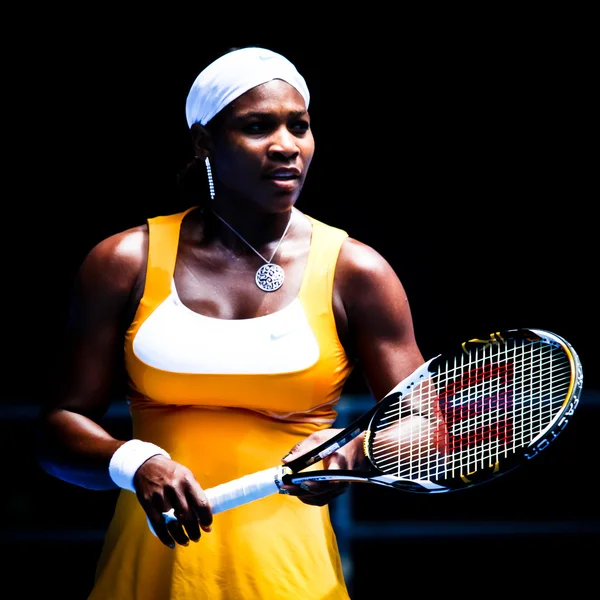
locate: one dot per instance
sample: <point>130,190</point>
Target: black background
<point>461,149</point>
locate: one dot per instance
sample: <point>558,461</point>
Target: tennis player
<point>236,323</point>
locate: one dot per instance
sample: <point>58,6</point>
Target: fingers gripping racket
<point>463,418</point>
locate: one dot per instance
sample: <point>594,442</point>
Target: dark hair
<point>192,184</point>
<point>192,180</point>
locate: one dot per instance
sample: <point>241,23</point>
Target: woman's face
<point>263,147</point>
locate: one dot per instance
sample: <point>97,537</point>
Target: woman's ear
<point>201,140</point>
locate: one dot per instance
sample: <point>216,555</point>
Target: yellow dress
<point>228,398</point>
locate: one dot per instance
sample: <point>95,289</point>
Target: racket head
<point>501,399</point>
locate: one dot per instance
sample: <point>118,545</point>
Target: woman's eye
<point>301,126</point>
<point>254,127</point>
<point>263,127</point>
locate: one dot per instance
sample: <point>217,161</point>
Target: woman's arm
<point>73,446</point>
<point>374,318</point>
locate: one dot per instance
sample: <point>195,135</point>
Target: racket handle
<point>245,489</point>
<point>239,491</point>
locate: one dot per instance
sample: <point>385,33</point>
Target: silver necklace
<point>269,276</point>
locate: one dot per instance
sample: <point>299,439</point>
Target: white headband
<point>233,74</point>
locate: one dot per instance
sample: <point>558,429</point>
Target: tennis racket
<point>461,419</point>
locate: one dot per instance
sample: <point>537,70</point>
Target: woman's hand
<point>320,493</point>
<point>163,484</point>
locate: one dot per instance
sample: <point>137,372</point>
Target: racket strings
<point>401,440</point>
<point>493,401</point>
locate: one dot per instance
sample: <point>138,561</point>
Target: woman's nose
<point>283,141</point>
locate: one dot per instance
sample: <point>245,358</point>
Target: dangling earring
<point>211,184</point>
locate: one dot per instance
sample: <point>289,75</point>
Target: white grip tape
<point>239,491</point>
<point>243,490</point>
<point>128,459</point>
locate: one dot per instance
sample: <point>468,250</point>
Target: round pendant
<point>269,277</point>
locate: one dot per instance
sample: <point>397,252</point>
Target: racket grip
<point>239,491</point>
<point>245,489</point>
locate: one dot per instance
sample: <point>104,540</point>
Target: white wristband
<point>128,459</point>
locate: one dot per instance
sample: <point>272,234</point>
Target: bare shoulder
<point>115,263</point>
<point>361,267</point>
